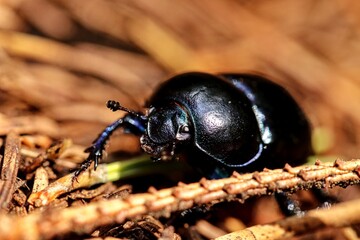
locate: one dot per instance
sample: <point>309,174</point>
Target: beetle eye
<point>184,129</point>
<point>183,133</point>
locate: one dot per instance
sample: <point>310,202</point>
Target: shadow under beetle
<point>217,123</point>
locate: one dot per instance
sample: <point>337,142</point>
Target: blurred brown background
<point>61,60</point>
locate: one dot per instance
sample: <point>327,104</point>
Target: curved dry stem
<point>340,215</point>
<point>163,202</point>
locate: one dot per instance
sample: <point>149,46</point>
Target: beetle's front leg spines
<point>98,147</point>
<point>95,155</point>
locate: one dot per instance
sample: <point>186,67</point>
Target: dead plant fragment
<point>341,215</point>
<point>61,60</point>
<point>9,168</point>
<point>158,203</point>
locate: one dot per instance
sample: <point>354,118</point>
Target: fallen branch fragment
<point>9,168</point>
<point>340,215</point>
<point>184,196</point>
<point>67,184</point>
<point>104,173</point>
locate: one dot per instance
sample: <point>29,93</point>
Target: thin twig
<point>163,202</point>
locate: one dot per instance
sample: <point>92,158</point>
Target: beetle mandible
<point>218,123</point>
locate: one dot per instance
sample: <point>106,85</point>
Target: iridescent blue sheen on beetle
<point>218,124</point>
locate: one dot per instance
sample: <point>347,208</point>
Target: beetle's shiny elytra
<point>218,123</point>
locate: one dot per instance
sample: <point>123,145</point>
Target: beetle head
<point>167,127</point>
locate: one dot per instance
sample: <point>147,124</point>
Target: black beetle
<point>219,123</point>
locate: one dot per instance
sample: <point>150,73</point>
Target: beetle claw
<point>95,155</point>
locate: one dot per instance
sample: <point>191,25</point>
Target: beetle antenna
<point>115,106</point>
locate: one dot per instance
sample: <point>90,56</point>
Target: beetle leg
<point>181,135</point>
<point>287,205</point>
<point>172,153</point>
<point>131,124</point>
<point>290,207</point>
<point>98,146</point>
